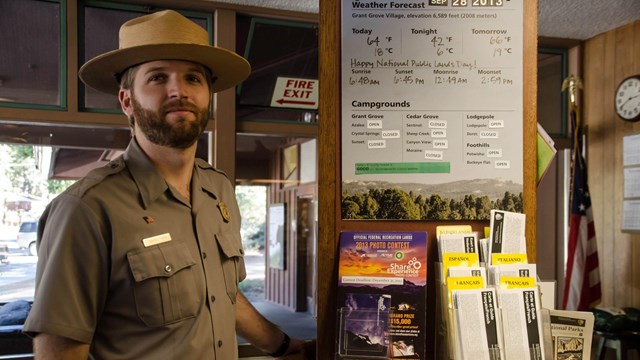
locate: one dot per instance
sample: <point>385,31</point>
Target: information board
<point>432,107</point>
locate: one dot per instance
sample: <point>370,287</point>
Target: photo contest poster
<point>432,109</point>
<point>382,300</point>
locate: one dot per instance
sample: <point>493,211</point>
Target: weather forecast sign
<point>432,108</point>
<point>295,93</point>
<point>382,295</point>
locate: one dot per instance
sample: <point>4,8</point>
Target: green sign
<point>403,168</point>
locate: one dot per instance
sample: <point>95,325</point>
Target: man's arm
<point>53,347</point>
<point>262,333</point>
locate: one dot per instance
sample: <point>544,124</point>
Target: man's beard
<point>181,134</point>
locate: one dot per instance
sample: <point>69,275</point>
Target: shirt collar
<point>206,183</point>
<point>149,182</point>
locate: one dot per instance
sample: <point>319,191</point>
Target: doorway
<point>306,264</point>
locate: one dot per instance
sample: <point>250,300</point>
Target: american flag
<point>582,280</point>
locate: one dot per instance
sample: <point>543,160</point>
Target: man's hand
<point>262,333</point>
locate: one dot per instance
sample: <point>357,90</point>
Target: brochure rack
<point>494,311</point>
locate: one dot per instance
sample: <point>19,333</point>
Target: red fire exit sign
<point>295,93</point>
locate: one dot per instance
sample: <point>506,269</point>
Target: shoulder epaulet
<point>96,176</point>
<point>206,166</point>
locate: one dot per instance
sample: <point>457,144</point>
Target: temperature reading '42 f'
<point>442,44</point>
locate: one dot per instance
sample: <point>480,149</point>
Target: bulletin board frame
<point>330,222</point>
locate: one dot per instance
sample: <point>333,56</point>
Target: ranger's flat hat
<point>164,35</point>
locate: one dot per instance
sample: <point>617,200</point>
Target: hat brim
<point>227,67</point>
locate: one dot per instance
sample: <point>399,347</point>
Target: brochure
<point>507,233</point>
<point>546,152</point>
<point>478,330</point>
<point>571,333</point>
<point>513,270</point>
<point>462,271</point>
<point>457,243</point>
<point>382,296</point>
<point>522,326</point>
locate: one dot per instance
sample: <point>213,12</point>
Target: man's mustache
<point>180,105</point>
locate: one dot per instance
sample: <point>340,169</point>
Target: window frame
<point>564,63</point>
<point>107,5</point>
<point>62,65</point>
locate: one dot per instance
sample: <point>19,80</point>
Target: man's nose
<point>177,88</point>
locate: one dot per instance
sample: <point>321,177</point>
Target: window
<point>552,101</point>
<point>24,192</point>
<point>31,70</point>
<point>262,41</point>
<point>252,201</point>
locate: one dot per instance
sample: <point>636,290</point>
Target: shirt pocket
<point>232,258</point>
<point>165,290</point>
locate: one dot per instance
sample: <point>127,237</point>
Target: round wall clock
<point>628,99</point>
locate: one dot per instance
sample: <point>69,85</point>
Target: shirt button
<point>204,255</point>
<point>167,268</point>
<point>219,343</point>
<point>213,298</point>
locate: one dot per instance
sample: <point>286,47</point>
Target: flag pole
<point>572,84</point>
<point>582,280</point>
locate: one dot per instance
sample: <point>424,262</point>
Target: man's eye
<point>157,77</point>
<point>195,79</point>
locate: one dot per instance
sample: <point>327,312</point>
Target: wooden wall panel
<point>594,58</point>
<point>622,66</point>
<point>635,271</point>
<point>608,59</point>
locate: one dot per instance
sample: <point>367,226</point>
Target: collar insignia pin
<point>226,215</point>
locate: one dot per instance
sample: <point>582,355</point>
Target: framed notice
<point>631,173</point>
<point>432,108</point>
<point>277,236</point>
<point>290,166</point>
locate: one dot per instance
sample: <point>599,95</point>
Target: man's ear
<point>124,96</point>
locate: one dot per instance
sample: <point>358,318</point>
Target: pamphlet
<point>452,229</point>
<point>475,271</point>
<point>382,299</point>
<point>546,152</point>
<point>571,332</point>
<point>507,233</point>
<point>478,330</point>
<point>457,243</point>
<point>522,327</point>
<point>457,259</point>
<point>513,270</point>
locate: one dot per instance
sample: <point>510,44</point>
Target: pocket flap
<point>230,244</point>
<point>159,261</point>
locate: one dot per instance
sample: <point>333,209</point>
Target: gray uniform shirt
<point>130,267</point>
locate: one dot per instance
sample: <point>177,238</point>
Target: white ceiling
<point>568,19</point>
<point>584,19</point>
